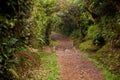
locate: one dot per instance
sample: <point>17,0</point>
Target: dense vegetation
<point>23,24</point>
<point>94,24</point>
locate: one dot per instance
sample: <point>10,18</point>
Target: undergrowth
<point>109,57</point>
<point>88,46</point>
<point>49,62</point>
<point>37,65</point>
<point>106,58</point>
<point>107,74</point>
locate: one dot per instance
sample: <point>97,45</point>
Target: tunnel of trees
<point>93,25</point>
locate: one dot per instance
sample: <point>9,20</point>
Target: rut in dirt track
<point>73,66</point>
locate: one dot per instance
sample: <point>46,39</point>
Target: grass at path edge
<point>106,73</point>
<point>49,62</point>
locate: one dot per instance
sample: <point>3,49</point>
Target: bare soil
<point>73,65</point>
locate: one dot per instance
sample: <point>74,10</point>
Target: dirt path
<point>73,66</point>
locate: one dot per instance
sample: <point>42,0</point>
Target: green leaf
<point>14,73</point>
<point>13,41</point>
<point>5,56</point>
<point>12,25</point>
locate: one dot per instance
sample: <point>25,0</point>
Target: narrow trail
<point>73,66</point>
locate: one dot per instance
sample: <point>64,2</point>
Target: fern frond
<point>28,56</point>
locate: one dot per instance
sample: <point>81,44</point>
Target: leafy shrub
<point>92,31</point>
<point>109,58</point>
<point>88,46</point>
<point>13,34</point>
<point>23,23</point>
<point>95,35</point>
<point>76,34</point>
<point>98,39</point>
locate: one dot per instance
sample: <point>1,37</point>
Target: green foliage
<point>104,32</point>
<point>74,20</point>
<point>56,22</point>
<point>92,31</point>
<point>48,70</point>
<point>13,15</point>
<point>107,74</point>
<point>109,58</point>
<point>97,24</point>
<point>70,18</point>
<point>76,34</point>
<point>98,39</point>
<point>88,46</point>
<point>23,22</point>
<point>46,16</point>
<point>104,8</point>
<point>51,65</point>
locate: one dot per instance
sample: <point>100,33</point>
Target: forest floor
<point>73,65</point>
